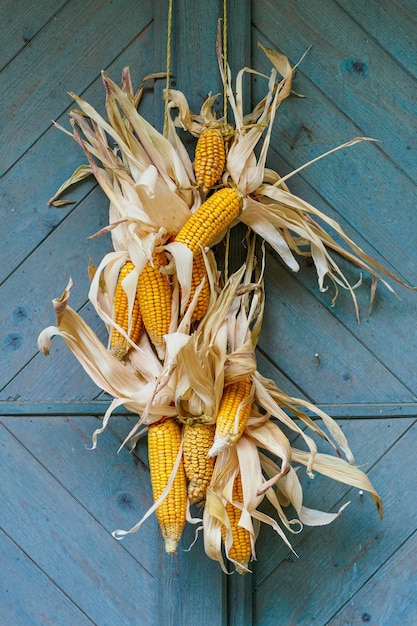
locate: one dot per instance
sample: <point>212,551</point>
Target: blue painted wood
<point>65,254</point>
<point>82,558</point>
<point>317,351</point>
<point>17,29</point>
<point>40,94</point>
<point>20,577</point>
<point>336,562</point>
<point>353,70</point>
<point>359,77</point>
<point>116,489</point>
<point>400,38</point>
<point>374,602</point>
<point>99,406</point>
<point>45,164</point>
<point>326,495</point>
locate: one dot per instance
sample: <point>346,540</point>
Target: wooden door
<point>60,500</point>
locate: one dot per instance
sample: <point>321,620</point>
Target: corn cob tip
<point>171,546</point>
<point>195,492</point>
<point>242,567</point>
<point>220,444</point>
<point>160,351</point>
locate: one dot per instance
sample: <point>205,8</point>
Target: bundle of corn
<point>230,476</point>
<point>288,223</point>
<point>190,375</point>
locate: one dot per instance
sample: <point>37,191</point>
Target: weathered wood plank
<point>19,24</point>
<point>335,562</point>
<point>46,75</point>
<point>117,494</point>
<point>82,558</point>
<point>350,68</point>
<point>27,187</point>
<point>358,182</point>
<point>324,494</point>
<point>191,587</point>
<point>58,376</point>
<point>393,24</point>
<point>379,603</point>
<point>114,487</point>
<point>28,298</point>
<point>28,408</point>
<point>316,351</point>
<point>18,602</point>
<point>388,330</point>
<point>239,600</point>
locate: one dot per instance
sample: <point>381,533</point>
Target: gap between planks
<point>74,408</point>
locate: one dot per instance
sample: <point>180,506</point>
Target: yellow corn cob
<point>210,156</point>
<point>119,344</point>
<point>198,439</point>
<point>240,551</point>
<point>154,291</point>
<point>164,440</point>
<point>199,272</point>
<point>234,411</point>
<point>210,219</point>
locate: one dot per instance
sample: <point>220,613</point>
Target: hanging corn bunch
<point>214,423</point>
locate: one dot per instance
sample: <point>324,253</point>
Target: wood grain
<point>60,500</point>
<point>61,536</point>
<point>336,561</point>
<point>46,75</point>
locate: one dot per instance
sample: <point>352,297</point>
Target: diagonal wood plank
<point>46,74</point>
<point>103,582</point>
<point>388,331</point>
<point>343,370</point>
<point>335,562</point>
<point>18,28</point>
<point>45,165</point>
<point>18,602</point>
<point>393,24</point>
<point>349,67</point>
<point>114,487</point>
<point>327,495</point>
<point>356,182</point>
<point>62,256</point>
<point>373,604</point>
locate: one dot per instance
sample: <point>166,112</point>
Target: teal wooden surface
<point>61,500</point>
<point>335,564</point>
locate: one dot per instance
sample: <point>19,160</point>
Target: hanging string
<point>225,64</point>
<point>225,102</point>
<point>168,66</point>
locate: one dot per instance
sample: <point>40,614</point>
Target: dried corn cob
<point>210,157</point>
<point>210,219</point>
<point>119,345</point>
<point>234,412</point>
<point>154,291</point>
<point>240,551</point>
<point>200,272</point>
<point>164,441</point>
<point>198,439</point>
